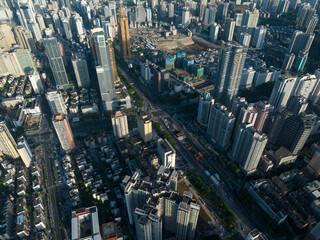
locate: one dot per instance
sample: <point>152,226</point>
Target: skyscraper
<point>80,68</point>
<point>214,32</point>
<point>120,125</point>
<point>124,36</point>
<point>282,91</point>
<point>24,151</point>
<point>56,102</point>
<point>24,37</point>
<point>64,132</point>
<point>250,19</point>
<point>229,30</point>
<point>248,147</point>
<point>220,125</point>
<point>7,144</point>
<point>105,69</point>
<point>300,41</point>
<point>185,17</point>
<point>205,103</point>
<point>264,111</point>
<point>36,82</point>
<point>144,126</point>
<point>312,24</point>
<point>167,153</point>
<point>231,63</point>
<point>290,131</point>
<point>246,115</point>
<point>56,63</point>
<point>258,37</point>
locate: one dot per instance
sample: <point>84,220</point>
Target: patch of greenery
<point>162,134</point>
<point>223,211</point>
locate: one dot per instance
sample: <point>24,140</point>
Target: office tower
<point>222,12</point>
<point>167,153</point>
<point>290,131</point>
<point>120,125</point>
<point>7,144</point>
<point>220,125</point>
<point>77,19</point>
<point>144,126</point>
<point>229,30</point>
<point>312,24</point>
<point>288,61</point>
<point>248,115</point>
<point>124,36</point>
<point>238,18</point>
<point>36,82</point>
<point>282,90</point>
<point>305,14</point>
<point>64,132</point>
<point>300,41</point>
<point>214,32</point>
<point>56,63</point>
<point>231,63</point>
<point>149,16</point>
<point>185,17</point>
<point>145,71</point>
<point>24,38</point>
<point>297,104</point>
<point>237,104</point>
<point>258,37</point>
<point>6,37</point>
<point>205,103</point>
<point>284,6</point>
<point>314,165</point>
<point>209,15</point>
<point>25,12</point>
<point>170,10</point>
<point>37,35</point>
<point>172,212</point>
<point>67,28</point>
<point>105,70</point>
<point>245,39</point>
<point>264,111</point>
<point>306,86</point>
<point>24,151</point>
<point>250,19</point>
<point>248,147</point>
<point>80,68</point>
<point>140,13</point>
<point>301,60</point>
<point>247,78</point>
<point>56,102</point>
<point>40,21</point>
<point>85,224</point>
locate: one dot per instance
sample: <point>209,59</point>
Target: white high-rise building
<point>80,68</point>
<point>167,153</point>
<point>67,28</point>
<point>56,102</point>
<point>220,125</point>
<point>248,147</point>
<point>258,37</point>
<point>214,32</point>
<point>250,19</point>
<point>205,103</point>
<point>120,125</point>
<point>282,91</point>
<point>24,151</point>
<point>306,86</point>
<point>145,71</point>
<point>36,83</point>
<point>185,17</point>
<point>245,39</point>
